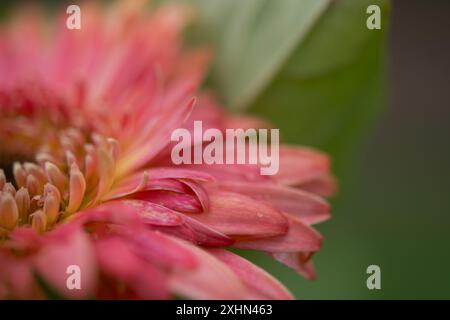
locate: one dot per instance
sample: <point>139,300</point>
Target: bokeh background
<point>379,102</point>
<point>394,209</point>
<point>394,206</point>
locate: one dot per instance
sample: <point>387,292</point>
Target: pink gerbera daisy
<point>85,123</point>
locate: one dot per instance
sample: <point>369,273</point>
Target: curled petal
<point>199,191</point>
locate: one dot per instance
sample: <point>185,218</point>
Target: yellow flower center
<point>65,170</point>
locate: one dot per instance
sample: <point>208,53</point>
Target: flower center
<point>49,172</point>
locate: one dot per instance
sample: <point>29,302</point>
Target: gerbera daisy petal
<point>306,206</point>
<point>261,284</point>
<point>299,237</point>
<point>242,217</point>
<point>299,165</point>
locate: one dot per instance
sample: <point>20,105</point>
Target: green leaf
<point>253,40</point>
<point>332,87</point>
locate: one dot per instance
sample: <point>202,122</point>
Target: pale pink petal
<point>299,165</point>
<point>156,136</point>
<point>182,202</point>
<point>117,260</point>
<point>198,233</point>
<point>211,279</point>
<point>24,239</point>
<point>16,278</point>
<point>325,186</point>
<point>154,214</point>
<point>242,217</point>
<point>300,237</point>
<point>260,283</point>
<point>169,221</point>
<point>117,212</point>
<point>303,205</point>
<point>232,172</point>
<point>65,248</point>
<point>299,261</point>
<point>157,248</point>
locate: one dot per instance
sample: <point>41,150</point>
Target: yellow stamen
<point>9,214</point>
<point>39,221</point>
<point>20,175</point>
<point>77,189</point>
<point>36,171</point>
<point>56,177</point>
<point>23,204</point>
<point>9,188</point>
<point>51,207</point>
<point>33,186</point>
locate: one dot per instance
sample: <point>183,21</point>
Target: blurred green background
<point>378,101</point>
<point>394,206</point>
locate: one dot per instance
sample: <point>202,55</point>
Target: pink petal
<point>308,207</point>
<point>261,284</point>
<point>156,135</point>
<point>211,279</point>
<point>232,172</point>
<point>157,179</point>
<point>158,248</point>
<point>181,202</point>
<point>299,237</point>
<point>299,165</point>
<point>199,234</point>
<point>172,222</point>
<point>155,214</point>
<point>118,261</point>
<point>242,217</point>
<point>108,250</point>
<point>299,261</point>
<point>178,173</point>
<point>199,191</point>
<point>325,186</point>
<point>67,247</point>
<point>24,238</point>
<point>110,212</point>
<point>16,278</point>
